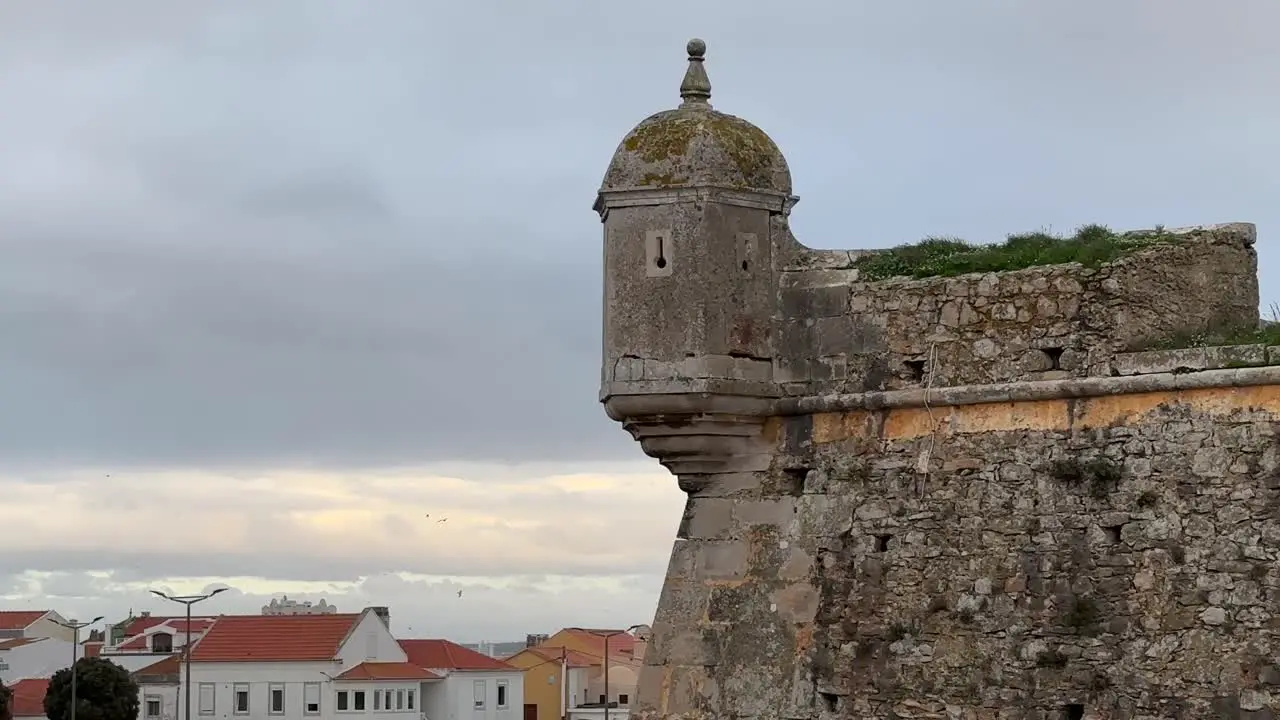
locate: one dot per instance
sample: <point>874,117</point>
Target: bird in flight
<point>442,520</point>
<point>459,593</point>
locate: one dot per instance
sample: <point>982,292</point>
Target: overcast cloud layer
<point>255,254</point>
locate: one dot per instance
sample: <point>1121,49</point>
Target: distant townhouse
<point>555,680</point>
<point>624,653</point>
<point>34,624</point>
<point>28,698</point>
<point>147,640</point>
<point>296,667</point>
<point>472,686</point>
<point>159,685</point>
<point>32,657</point>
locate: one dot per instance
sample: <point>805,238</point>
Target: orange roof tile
<point>12,643</point>
<point>444,655</point>
<point>621,642</point>
<point>388,671</point>
<point>28,697</point>
<point>142,624</point>
<point>274,638</point>
<point>167,666</point>
<point>19,619</point>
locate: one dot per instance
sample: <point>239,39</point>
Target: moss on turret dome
<point>695,145</point>
<point>698,146</point>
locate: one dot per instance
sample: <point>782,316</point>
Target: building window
<point>207,691</point>
<point>357,700</point>
<point>502,694</point>
<point>343,703</point>
<point>622,699</point>
<point>408,696</point>
<point>603,700</point>
<point>241,698</point>
<point>377,699</point>
<point>311,698</point>
<point>399,699</point>
<point>153,706</point>
<point>478,693</point>
<point>277,699</point>
<point>162,643</point>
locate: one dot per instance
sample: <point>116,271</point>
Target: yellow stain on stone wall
<point>1040,415</point>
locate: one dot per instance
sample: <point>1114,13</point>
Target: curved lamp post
<point>606,636</point>
<point>187,600</point>
<point>75,627</point>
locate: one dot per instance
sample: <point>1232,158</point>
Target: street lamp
<point>187,600</point>
<point>606,635</point>
<point>75,628</point>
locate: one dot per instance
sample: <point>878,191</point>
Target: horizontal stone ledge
<point>1194,359</point>
<point>1029,391</point>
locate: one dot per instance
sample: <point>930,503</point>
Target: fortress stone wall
<point>1045,492</point>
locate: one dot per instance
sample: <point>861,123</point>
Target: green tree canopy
<point>104,691</point>
<point>6,703</point>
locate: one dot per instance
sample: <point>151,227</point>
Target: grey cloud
<point>305,234</point>
<point>295,565</point>
<point>419,608</point>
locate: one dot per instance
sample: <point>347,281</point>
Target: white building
<point>331,667</point>
<point>473,686</point>
<point>285,606</point>
<point>34,657</point>
<point>155,635</point>
<point>34,624</point>
<point>158,688</point>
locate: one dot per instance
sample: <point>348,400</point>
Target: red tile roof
<point>388,671</point>
<point>12,643</point>
<point>137,632</point>
<point>445,655</point>
<point>142,624</point>
<point>19,619</point>
<point>28,697</point>
<point>274,638</point>
<point>167,666</point>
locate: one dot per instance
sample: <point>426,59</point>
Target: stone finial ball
<point>697,47</point>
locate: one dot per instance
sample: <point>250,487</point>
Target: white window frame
<point>310,696</point>
<point>479,694</point>
<point>209,691</point>
<point>408,698</point>
<point>271,699</point>
<point>343,697</point>
<point>363,701</point>
<point>504,696</point>
<point>235,699</point>
<point>400,699</point>
<point>146,706</point>
<point>377,700</point>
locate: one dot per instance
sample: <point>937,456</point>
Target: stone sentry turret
<point>1042,492</point>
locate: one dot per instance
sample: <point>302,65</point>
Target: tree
<point>104,691</point>
<point>6,702</point>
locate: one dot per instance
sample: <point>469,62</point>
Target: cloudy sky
<point>284,283</point>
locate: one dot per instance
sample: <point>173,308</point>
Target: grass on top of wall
<point>1091,246</point>
<point>1266,333</point>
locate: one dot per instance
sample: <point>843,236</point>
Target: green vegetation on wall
<point>1091,246</point>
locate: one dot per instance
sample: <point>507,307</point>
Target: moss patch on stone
<point>664,140</point>
<point>748,147</point>
<point>1091,246</point>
